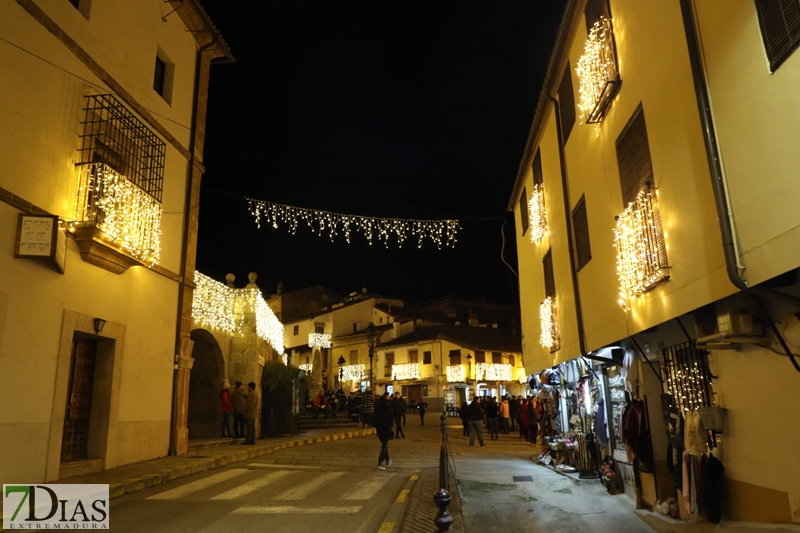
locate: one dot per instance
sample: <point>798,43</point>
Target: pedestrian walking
<point>382,419</point>
<point>475,418</point>
<point>462,413</point>
<point>250,412</point>
<point>533,420</point>
<point>513,411</point>
<point>400,408</point>
<point>227,410</point>
<point>421,409</point>
<point>238,400</point>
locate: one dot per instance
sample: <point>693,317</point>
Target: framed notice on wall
<point>39,237</point>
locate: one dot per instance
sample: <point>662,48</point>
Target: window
<point>455,357</point>
<point>497,358</point>
<point>296,331</point>
<point>355,327</point>
<point>580,226</point>
<point>523,210</point>
<point>780,29</point>
<point>480,356</point>
<point>413,356</point>
<point>512,361</point>
<point>353,357</point>
<point>319,328</point>
<point>566,104</point>
<point>536,168</point>
<point>387,371</point>
<point>380,320</point>
<point>594,11</point>
<point>633,157</point>
<point>426,358</point>
<point>163,75</point>
<point>83,6</point>
<point>549,278</point>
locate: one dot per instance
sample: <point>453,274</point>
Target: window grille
<point>780,29</point>
<point>686,376</point>
<point>116,137</point>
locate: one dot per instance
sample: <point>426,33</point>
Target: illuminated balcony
<point>319,340</point>
<point>456,374</point>
<point>598,72</point>
<point>493,372</point>
<point>405,371</point>
<point>537,214</point>
<point>549,325</point>
<point>353,373</point>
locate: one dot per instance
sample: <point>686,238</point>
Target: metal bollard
<point>442,498</point>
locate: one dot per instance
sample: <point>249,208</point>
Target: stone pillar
<point>180,431</point>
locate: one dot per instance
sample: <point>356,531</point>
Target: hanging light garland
<point>441,232</point>
<point>405,371</point>
<point>537,214</point>
<point>218,306</point>
<point>493,372</point>
<point>353,372</point>
<point>307,367</point>
<point>549,326</point>
<point>455,374</point>
<point>597,71</point>
<point>641,251</point>
<point>319,340</point>
<point>126,215</point>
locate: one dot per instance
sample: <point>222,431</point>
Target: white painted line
<point>283,509</point>
<point>367,488</point>
<point>301,491</point>
<point>301,467</point>
<point>196,486</point>
<point>251,486</point>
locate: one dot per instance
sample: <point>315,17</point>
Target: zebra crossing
<point>263,489</point>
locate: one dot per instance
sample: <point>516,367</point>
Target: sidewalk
<point>139,476</point>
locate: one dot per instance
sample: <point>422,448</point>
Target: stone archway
<point>205,417</point>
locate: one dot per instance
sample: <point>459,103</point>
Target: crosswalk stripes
<point>367,488</point>
<point>284,509</point>
<point>251,486</point>
<point>200,484</point>
<point>304,489</point>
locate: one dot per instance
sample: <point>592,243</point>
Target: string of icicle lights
<point>441,232</point>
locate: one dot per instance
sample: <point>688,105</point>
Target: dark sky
<point>415,109</point>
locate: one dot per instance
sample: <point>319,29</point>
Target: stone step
<point>305,423</point>
<point>204,444</point>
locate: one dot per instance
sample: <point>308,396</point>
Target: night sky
<point>416,109</point>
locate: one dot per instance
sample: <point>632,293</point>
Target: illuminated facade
<point>656,221</point>
<point>95,149</point>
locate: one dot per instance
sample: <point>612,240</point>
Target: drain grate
<point>520,479</point>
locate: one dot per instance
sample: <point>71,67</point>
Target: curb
<point>115,490</point>
<point>391,523</point>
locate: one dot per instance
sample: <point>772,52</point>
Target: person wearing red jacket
<point>227,410</point>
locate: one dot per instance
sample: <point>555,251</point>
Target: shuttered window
<point>580,225</point>
<point>480,357</point>
<point>523,210</point>
<point>566,104</point>
<point>537,168</point>
<point>633,157</point>
<point>595,10</point>
<point>497,358</point>
<point>780,28</point>
<point>426,358</point>
<point>549,278</point>
<point>455,357</point>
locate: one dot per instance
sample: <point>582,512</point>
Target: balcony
<point>598,72</point>
<point>493,372</point>
<point>641,249</point>
<point>319,340</point>
<point>537,215</point>
<point>549,324</point>
<point>353,372</point>
<point>405,371</point>
<point>456,374</point>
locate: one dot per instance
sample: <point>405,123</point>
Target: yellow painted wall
<point>757,115</point>
<point>39,128</point>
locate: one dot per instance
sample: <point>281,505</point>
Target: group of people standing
<point>501,417</point>
<point>239,410</point>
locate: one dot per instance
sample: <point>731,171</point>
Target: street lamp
<point>340,362</point>
<point>371,344</point>
<point>469,368</point>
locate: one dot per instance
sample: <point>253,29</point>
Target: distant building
<point>102,126</point>
<point>656,216</point>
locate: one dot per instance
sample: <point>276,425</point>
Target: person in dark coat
<point>238,400</point>
<point>400,408</point>
<point>492,422</point>
<point>462,413</point>
<point>475,418</point>
<point>382,419</point>
<point>421,408</point>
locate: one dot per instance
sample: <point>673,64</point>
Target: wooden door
<point>79,400</point>
<point>414,393</point>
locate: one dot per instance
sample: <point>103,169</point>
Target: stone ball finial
<point>252,276</point>
<point>363,290</point>
<point>229,279</point>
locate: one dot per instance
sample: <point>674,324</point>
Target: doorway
<point>414,393</point>
<point>75,440</point>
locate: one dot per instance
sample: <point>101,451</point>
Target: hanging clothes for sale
<point>712,489</point>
